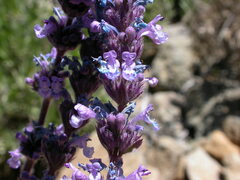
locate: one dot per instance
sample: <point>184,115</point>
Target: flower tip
<point>29,81</point>
<point>38,31</point>
<point>153,81</point>
<point>75,121</point>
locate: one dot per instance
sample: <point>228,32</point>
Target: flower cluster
<point>110,33</point>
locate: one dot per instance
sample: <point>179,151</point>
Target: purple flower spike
<point>154,31</point>
<point>144,116</point>
<point>14,162</point>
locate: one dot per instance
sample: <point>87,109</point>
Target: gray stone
<point>200,166</point>
<point>231,128</point>
<point>168,112</point>
<point>173,63</point>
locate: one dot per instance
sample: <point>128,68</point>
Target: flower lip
<point>154,31</point>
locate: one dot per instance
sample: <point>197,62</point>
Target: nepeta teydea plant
<point>110,56</point>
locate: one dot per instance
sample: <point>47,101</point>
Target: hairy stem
<point>43,111</point>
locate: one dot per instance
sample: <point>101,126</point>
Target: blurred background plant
<point>18,104</point>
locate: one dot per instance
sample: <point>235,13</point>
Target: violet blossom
<point>14,161</point>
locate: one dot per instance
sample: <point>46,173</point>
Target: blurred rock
<point>173,63</point>
<point>220,147</point>
<point>200,166</point>
<point>165,155</point>
<point>231,128</point>
<point>168,112</point>
<point>207,109</point>
<point>229,174</point>
<point>216,37</point>
<point>167,106</point>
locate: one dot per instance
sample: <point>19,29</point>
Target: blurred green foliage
<point>17,46</point>
<point>172,10</point>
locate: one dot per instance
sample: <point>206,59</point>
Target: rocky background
<point>197,100</point>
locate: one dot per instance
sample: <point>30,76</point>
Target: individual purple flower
<point>52,54</point>
<point>77,174</point>
<point>83,113</point>
<point>59,130</point>
<point>144,116</point>
<point>152,81</point>
<point>44,88</point>
<point>94,168</point>
<point>154,31</point>
<point>57,86</point>
<point>64,34</point>
<point>137,175</point>
<point>81,142</point>
<point>110,67</point>
<point>14,162</point>
<point>48,28</point>
<point>128,65</point>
